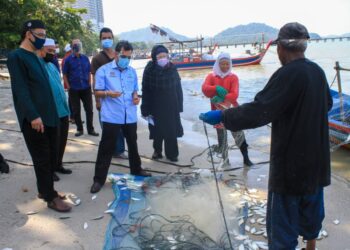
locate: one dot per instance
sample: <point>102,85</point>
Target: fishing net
<point>173,212</point>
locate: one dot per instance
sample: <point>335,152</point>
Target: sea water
<point>252,79</point>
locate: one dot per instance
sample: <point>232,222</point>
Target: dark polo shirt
<point>100,59</point>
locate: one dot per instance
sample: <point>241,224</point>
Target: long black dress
<point>163,99</point>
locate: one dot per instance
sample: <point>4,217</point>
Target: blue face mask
<point>38,43</point>
<point>123,62</point>
<point>107,43</point>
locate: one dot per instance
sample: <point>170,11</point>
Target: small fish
<point>336,222</point>
<point>241,237</point>
<point>73,196</point>
<point>94,197</point>
<point>247,228</point>
<point>98,217</point>
<point>241,247</point>
<point>253,230</point>
<point>253,190</point>
<point>77,202</point>
<point>64,217</point>
<point>135,199</point>
<point>124,188</point>
<point>109,211</point>
<point>324,233</point>
<point>85,225</point>
<point>260,232</point>
<point>109,203</point>
<point>262,244</point>
<point>31,212</point>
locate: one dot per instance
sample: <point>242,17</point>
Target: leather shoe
<point>157,155</point>
<point>79,133</point>
<point>93,133</point>
<point>142,173</point>
<point>55,177</point>
<point>58,205</point>
<point>95,188</point>
<point>63,170</point>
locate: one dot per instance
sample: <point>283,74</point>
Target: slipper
<point>54,205</point>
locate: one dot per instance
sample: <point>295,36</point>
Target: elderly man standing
<point>76,74</point>
<point>48,54</point>
<point>36,110</point>
<point>116,85</point>
<point>296,100</point>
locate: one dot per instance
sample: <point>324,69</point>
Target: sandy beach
<point>45,230</point>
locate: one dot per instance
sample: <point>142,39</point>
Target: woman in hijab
<point>162,101</point>
<point>222,87</point>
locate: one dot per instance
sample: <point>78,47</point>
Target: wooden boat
<point>339,120</point>
<point>189,59</point>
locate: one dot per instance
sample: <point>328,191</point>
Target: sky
<point>193,18</point>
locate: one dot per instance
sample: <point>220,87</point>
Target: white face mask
<point>57,50</point>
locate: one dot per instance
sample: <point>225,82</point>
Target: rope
<point>217,186</point>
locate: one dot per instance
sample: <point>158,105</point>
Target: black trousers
<point>43,150</point>
<point>170,146</point>
<point>85,96</point>
<point>62,140</point>
<point>110,132</point>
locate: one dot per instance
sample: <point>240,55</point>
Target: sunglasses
<point>124,56</point>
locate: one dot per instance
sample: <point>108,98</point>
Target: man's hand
<point>38,125</point>
<point>136,100</point>
<point>114,94</point>
<point>98,105</point>
<point>212,117</point>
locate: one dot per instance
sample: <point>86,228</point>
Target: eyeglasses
<point>40,35</point>
<point>124,56</point>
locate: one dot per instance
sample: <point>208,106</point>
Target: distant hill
<point>146,35</point>
<point>249,33</point>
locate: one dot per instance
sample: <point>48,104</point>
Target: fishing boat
<point>191,57</point>
<point>339,115</point>
<point>339,120</point>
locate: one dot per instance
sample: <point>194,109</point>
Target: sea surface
<point>252,80</point>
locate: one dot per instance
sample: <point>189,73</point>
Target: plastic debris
<point>94,197</point>
<point>336,222</point>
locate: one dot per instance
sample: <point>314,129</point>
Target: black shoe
<point>142,173</point>
<point>157,155</point>
<point>55,177</point>
<point>93,133</point>
<point>63,170</point>
<point>247,162</point>
<point>173,159</point>
<point>79,133</point>
<point>95,188</point>
<point>4,167</point>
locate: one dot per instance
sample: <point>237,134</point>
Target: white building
<point>94,12</point>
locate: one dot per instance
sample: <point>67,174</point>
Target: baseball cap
<point>292,32</point>
<point>49,42</point>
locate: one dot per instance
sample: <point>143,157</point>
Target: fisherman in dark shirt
<point>296,100</point>
<point>36,110</point>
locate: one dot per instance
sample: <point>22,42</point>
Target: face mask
<point>49,57</point>
<point>76,48</point>
<point>107,43</point>
<point>162,62</point>
<point>123,62</point>
<point>57,50</point>
<point>38,43</point>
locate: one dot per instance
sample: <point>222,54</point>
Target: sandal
<point>58,205</point>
